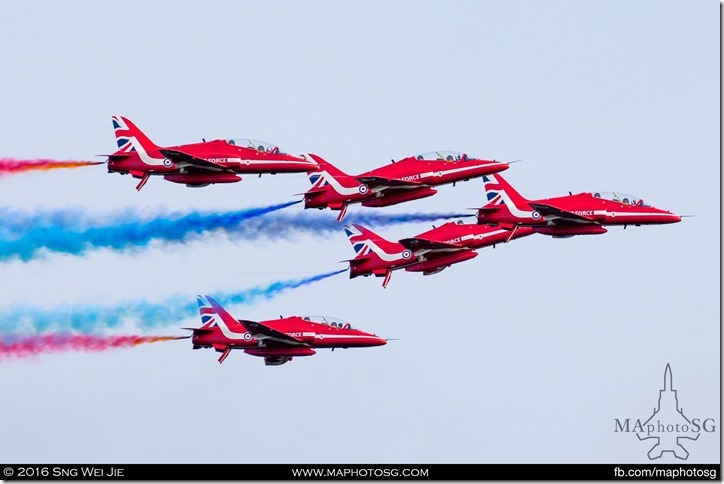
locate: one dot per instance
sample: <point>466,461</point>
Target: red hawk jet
<point>429,252</point>
<point>579,214</point>
<point>197,164</point>
<point>407,179</point>
<point>277,340</point>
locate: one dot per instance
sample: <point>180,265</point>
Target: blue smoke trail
<point>26,235</point>
<point>146,315</point>
<point>23,235</point>
<point>284,226</point>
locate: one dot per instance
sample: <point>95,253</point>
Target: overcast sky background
<point>525,354</point>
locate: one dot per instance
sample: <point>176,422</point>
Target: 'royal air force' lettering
<point>410,178</point>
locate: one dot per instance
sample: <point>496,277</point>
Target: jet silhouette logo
<point>667,428</point>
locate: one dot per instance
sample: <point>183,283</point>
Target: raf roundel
<point>406,254</point>
<point>247,336</point>
<point>363,189</point>
<point>535,215</point>
<point>167,162</point>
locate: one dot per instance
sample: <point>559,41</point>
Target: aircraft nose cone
<point>381,341</point>
<point>671,218</point>
<point>311,164</point>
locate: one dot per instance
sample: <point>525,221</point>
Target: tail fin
<point>213,315</point>
<point>328,174</point>
<point>499,192</point>
<point>130,138</point>
<point>366,242</point>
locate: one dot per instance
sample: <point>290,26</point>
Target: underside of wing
<point>558,216</point>
<point>378,181</point>
<point>179,157</point>
<point>262,332</point>
<point>276,360</point>
<point>416,243</point>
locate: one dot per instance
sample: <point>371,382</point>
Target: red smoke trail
<point>10,166</point>
<point>24,346</point>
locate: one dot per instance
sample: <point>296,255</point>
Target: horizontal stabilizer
<point>200,330</point>
<point>119,155</point>
<point>488,209</point>
<point>313,192</point>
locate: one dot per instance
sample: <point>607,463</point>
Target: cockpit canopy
<point>255,144</point>
<point>329,321</point>
<point>620,197</point>
<point>443,155</point>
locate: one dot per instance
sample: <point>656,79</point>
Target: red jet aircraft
<point>566,216</point>
<point>408,179</point>
<point>277,340</point>
<point>429,252</point>
<point>197,164</point>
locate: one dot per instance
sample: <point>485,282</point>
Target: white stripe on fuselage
<point>477,236</point>
<point>638,214</point>
<point>446,172</point>
<point>327,335</point>
<point>262,162</point>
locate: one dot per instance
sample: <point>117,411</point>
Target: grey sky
<point>525,354</point>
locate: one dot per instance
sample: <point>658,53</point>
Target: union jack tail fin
<point>329,175</point>
<point>130,138</point>
<point>213,315</point>
<point>499,192</point>
<point>366,242</point>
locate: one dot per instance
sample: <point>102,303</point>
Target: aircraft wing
<point>558,216</point>
<point>382,182</point>
<point>263,332</point>
<point>427,245</point>
<point>180,157</point>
